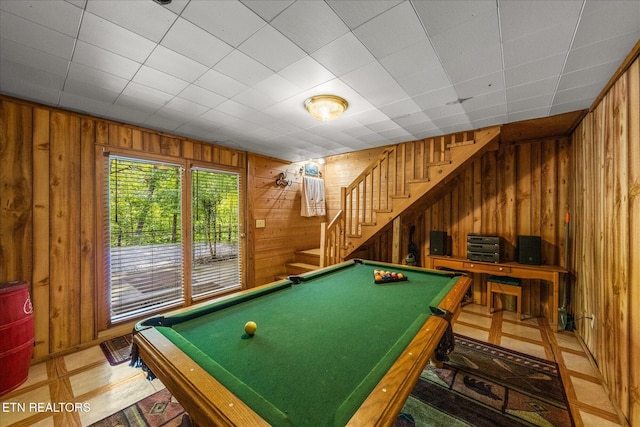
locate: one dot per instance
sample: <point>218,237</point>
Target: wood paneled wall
<point>605,250</point>
<point>285,230</point>
<point>48,209</point>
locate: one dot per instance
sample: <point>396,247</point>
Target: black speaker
<point>438,243</point>
<point>530,250</point>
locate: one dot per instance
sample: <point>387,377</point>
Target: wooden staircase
<point>398,178</point>
<point>305,261</point>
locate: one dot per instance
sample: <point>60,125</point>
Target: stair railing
<point>386,178</point>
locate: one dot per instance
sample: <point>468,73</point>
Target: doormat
<point>159,409</point>
<point>483,385</point>
<point>117,350</point>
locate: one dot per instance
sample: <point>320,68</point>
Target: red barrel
<point>16,334</point>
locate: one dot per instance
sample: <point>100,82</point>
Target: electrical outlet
<point>593,320</point>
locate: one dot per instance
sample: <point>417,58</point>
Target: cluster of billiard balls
<point>387,276</point>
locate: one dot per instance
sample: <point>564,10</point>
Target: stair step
<point>461,143</point>
<point>442,163</point>
<point>300,268</point>
<point>400,196</point>
<point>308,256</point>
<point>418,180</point>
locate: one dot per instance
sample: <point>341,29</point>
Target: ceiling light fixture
<point>326,107</point>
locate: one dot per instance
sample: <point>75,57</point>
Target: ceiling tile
<point>394,30</point>
<point>536,46</point>
<point>97,78</point>
<point>145,96</point>
<point>145,18</point>
<point>271,48</point>
<point>195,43</point>
<point>520,19</point>
<point>230,21</point>
<point>443,15</point>
<point>107,35</point>
<point>85,102</point>
<point>30,57</point>
<point>538,70</point>
<point>373,82</point>
<point>267,10</point>
<point>81,87</point>
<point>586,76</point>
<point>243,68</point>
<point>609,50</point>
<point>175,64</point>
<point>536,102</point>
<point>221,84</point>
<point>35,36</point>
<point>157,79</point>
<point>310,24</point>
<point>344,54</point>
<point>531,89</point>
<point>57,15</point>
<point>356,13</point>
<point>32,83</point>
<point>306,73</point>
<point>605,19</point>
<point>201,96</point>
<point>100,59</point>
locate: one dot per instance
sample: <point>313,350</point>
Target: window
<point>215,234</point>
<point>170,232</point>
<point>145,238</point>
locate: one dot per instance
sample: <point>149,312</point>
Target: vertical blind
<point>215,231</point>
<point>145,236</point>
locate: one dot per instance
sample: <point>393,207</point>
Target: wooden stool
<point>506,286</point>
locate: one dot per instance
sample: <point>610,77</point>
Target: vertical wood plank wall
<point>48,209</point>
<point>606,246</point>
<point>286,230</point>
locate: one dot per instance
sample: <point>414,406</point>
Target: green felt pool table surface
<point>321,346</point>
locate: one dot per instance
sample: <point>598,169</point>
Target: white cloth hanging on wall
<point>312,197</point>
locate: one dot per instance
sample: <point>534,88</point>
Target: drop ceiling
<point>236,73</point>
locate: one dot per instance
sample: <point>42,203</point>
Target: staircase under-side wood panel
<point>398,178</point>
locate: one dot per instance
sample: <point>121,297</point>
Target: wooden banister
<point>381,191</point>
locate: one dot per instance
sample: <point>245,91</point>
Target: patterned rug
<point>117,350</point>
<point>158,410</point>
<point>483,385</point>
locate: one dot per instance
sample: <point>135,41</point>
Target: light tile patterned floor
<point>85,378</point>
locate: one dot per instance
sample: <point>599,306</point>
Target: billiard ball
<point>250,328</point>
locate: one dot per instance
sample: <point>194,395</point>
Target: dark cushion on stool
<point>505,280</point>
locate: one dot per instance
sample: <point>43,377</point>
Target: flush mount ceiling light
<point>326,107</point>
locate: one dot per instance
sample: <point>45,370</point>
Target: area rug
<point>158,410</point>
<point>484,385</point>
<point>117,350</point>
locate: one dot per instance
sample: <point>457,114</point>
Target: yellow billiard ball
<point>250,328</point>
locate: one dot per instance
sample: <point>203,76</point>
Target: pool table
<point>332,347</point>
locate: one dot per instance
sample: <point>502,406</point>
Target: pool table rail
<point>382,406</point>
<point>204,398</point>
<point>208,402</point>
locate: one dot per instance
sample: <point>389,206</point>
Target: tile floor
<point>85,382</point>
